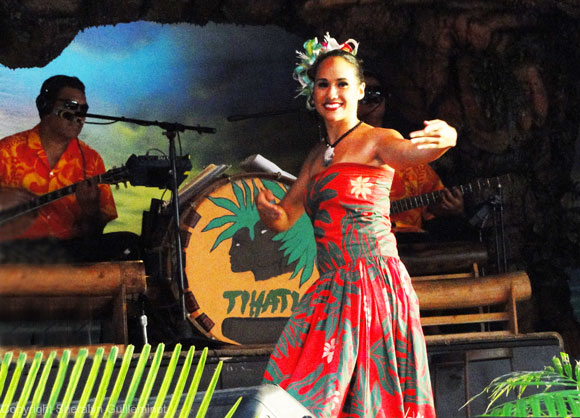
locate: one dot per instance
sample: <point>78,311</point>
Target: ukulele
<point>414,202</point>
<point>113,176</point>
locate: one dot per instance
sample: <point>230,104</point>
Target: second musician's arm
<point>451,203</point>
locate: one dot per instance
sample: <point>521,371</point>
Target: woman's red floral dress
<point>354,346</point>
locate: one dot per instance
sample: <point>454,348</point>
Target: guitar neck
<point>414,202</point>
<point>38,202</point>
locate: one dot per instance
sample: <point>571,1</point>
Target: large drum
<point>242,279</point>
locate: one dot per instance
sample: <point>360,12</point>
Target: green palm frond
<point>243,214</point>
<point>100,396</point>
<point>557,390</point>
<point>297,243</point>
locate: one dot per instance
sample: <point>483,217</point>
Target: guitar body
<point>18,207</point>
<point>10,198</point>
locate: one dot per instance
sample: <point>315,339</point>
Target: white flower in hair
<point>330,44</point>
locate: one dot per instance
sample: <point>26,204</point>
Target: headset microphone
<point>65,114</point>
<point>68,115</point>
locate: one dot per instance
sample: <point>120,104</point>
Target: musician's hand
<point>88,197</point>
<point>451,203</point>
<point>12,197</point>
<point>267,208</point>
<point>435,134</point>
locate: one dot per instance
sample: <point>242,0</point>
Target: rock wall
<point>509,82</point>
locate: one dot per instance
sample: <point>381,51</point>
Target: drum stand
<point>171,130</point>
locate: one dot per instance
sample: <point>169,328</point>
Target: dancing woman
<point>354,346</point>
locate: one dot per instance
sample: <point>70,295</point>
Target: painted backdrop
<point>176,73</point>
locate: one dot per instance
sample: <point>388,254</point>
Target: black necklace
<point>329,152</point>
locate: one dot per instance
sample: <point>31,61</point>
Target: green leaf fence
<point>55,387</point>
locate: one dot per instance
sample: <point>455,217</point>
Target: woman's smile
<point>337,89</point>
<point>332,105</point>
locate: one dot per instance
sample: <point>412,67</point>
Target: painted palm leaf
<point>27,391</point>
<point>557,392</point>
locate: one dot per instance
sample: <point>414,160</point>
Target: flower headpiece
<point>312,49</point>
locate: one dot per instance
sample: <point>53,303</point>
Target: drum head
<point>244,279</point>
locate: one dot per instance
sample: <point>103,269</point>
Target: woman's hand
<point>270,212</point>
<point>436,134</point>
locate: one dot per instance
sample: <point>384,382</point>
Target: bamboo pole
<point>472,292</point>
<point>98,279</point>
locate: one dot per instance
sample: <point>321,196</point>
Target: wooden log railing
<point>96,279</point>
<point>469,293</point>
<point>61,292</point>
<point>445,298</point>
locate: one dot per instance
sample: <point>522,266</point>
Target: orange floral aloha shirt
<point>413,181</point>
<point>24,164</point>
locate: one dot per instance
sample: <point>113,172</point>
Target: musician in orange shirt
<point>413,181</point>
<point>50,157</point>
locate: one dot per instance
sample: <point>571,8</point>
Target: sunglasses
<point>74,106</point>
<point>373,95</point>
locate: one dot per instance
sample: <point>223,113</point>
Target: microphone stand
<point>479,220</point>
<point>501,251</point>
<point>169,126</point>
<point>493,206</point>
<point>237,118</point>
<point>175,203</point>
<point>171,130</point>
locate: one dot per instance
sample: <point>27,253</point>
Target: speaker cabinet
<point>461,370</point>
<point>271,401</point>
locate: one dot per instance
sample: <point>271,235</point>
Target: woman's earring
<point>311,102</point>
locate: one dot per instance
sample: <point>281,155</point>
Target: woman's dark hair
<point>351,59</point>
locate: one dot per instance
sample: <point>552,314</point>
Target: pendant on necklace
<point>328,155</point>
<point>329,152</point>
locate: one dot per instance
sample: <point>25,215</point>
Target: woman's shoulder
<point>308,163</point>
<point>381,135</point>
<point>314,152</point>
<point>380,132</point>
<point>385,145</point>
